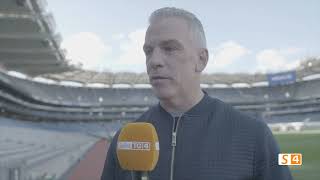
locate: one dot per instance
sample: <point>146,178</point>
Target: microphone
<point>138,149</point>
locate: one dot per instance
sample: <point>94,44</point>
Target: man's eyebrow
<point>171,42</point>
<point>165,43</point>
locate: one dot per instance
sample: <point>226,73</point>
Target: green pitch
<point>309,145</point>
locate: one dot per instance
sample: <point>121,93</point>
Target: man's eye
<point>169,49</point>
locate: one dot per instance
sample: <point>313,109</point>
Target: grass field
<point>309,145</point>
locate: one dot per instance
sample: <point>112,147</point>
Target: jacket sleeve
<point>111,164</point>
<point>266,157</point>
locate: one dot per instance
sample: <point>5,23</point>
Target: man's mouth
<point>158,78</point>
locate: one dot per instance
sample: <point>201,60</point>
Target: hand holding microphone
<point>138,148</point>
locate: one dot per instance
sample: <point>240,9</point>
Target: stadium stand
<point>28,42</point>
<point>31,151</point>
<point>87,103</point>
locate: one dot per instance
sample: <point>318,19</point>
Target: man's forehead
<point>167,29</point>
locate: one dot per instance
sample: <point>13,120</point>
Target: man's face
<point>170,57</point>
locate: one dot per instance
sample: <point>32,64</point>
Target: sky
<point>247,36</point>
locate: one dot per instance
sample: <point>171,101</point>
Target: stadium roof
<point>30,45</point>
<point>142,78</point>
<point>28,42</point>
<point>308,67</point>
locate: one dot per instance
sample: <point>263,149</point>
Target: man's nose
<point>156,59</point>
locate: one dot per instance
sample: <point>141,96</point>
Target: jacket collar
<point>201,108</point>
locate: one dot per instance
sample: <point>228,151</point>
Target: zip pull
<point>174,138</point>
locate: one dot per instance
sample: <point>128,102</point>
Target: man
<point>200,137</point>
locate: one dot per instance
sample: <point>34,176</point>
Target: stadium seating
<point>59,102</point>
<point>35,149</point>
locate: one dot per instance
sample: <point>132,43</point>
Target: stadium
<point>56,119</point>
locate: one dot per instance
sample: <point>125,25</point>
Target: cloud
<point>118,36</point>
<point>132,57</point>
<point>224,55</point>
<point>93,53</point>
<point>86,48</point>
<point>291,51</point>
<point>89,50</point>
<point>274,60</point>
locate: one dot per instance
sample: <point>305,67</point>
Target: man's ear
<point>202,60</point>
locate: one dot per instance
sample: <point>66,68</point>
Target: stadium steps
<point>12,145</point>
<point>48,157</point>
<point>23,157</point>
<point>17,150</point>
<point>58,165</point>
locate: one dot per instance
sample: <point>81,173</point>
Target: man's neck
<point>182,103</point>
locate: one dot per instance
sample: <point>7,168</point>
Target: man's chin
<point>163,93</point>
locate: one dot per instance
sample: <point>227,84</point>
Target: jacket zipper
<point>173,144</point>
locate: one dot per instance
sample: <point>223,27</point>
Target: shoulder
<point>237,120</point>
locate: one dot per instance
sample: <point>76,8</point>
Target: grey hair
<point>192,20</point>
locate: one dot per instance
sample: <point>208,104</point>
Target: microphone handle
<point>144,176</point>
<point>139,175</point>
